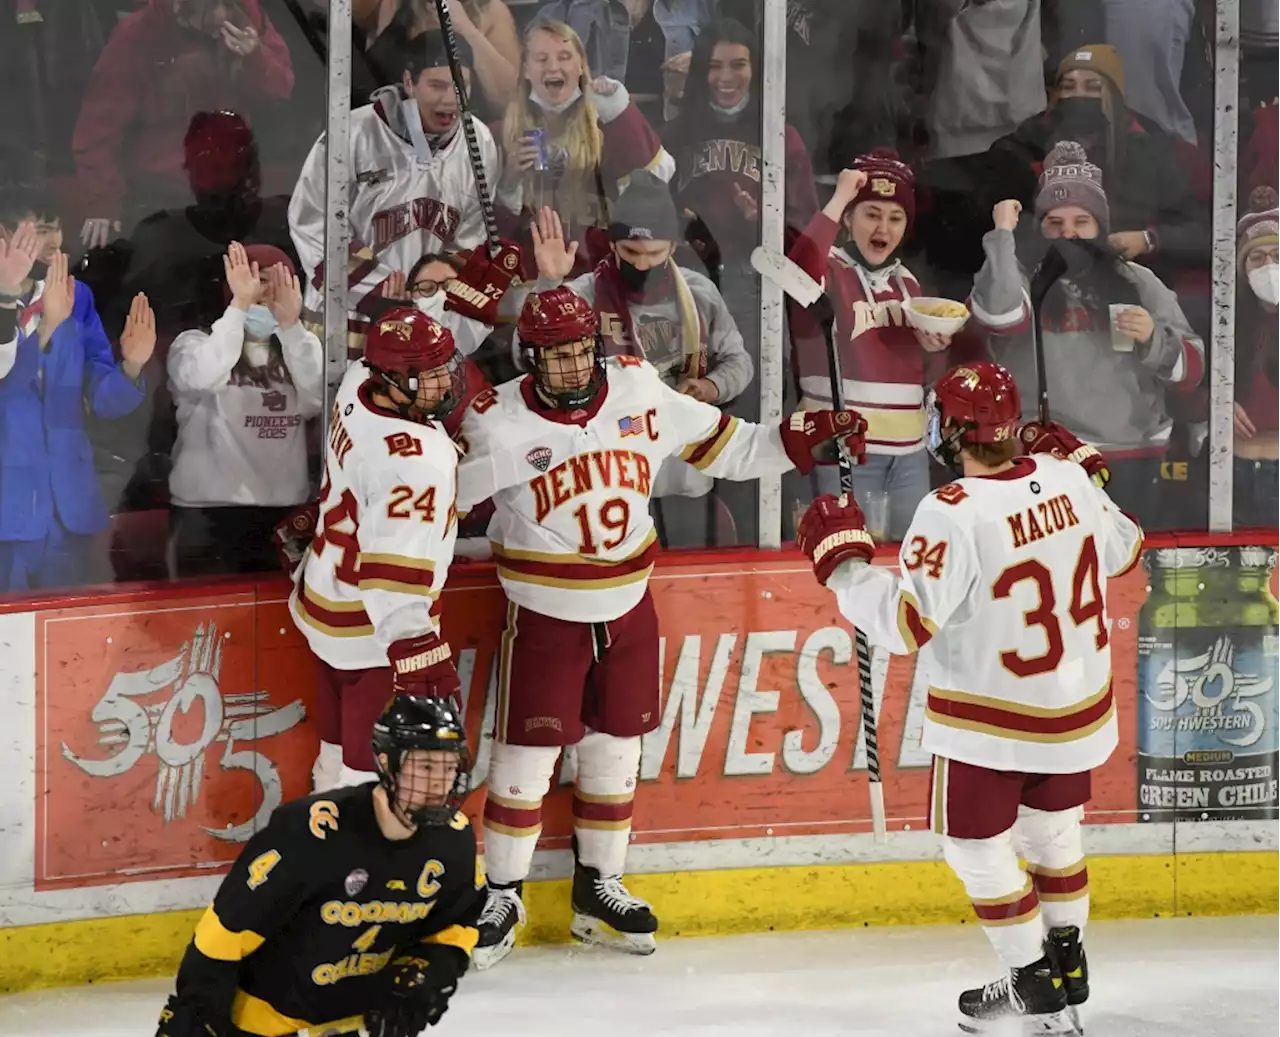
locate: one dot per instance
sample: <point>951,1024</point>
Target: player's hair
<point>993,455</point>
<point>22,199</point>
<point>580,136</point>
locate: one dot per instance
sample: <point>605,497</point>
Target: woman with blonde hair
<point>570,141</point>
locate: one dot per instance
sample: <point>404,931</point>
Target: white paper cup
<point>1120,342</point>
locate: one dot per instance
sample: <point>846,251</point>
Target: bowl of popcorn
<point>941,316</point>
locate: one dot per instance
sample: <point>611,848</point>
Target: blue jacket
<point>605,28</point>
<point>46,462</point>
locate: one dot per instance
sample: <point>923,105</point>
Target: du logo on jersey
<point>539,457</point>
<point>137,721</point>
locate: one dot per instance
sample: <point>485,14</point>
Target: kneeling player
<point>568,455</point>
<point>384,537</point>
<point>1003,592</point>
<point>360,901</point>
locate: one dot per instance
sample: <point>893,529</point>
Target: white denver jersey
<point>400,205</point>
<point>1003,590</point>
<point>388,522</point>
<point>571,531</point>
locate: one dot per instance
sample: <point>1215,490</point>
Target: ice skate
<point>503,916</point>
<point>605,913</point>
<point>1026,1002</point>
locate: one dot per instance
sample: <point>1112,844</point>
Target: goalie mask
<point>973,403</point>
<point>415,363</point>
<point>427,766</point>
<point>559,337</point>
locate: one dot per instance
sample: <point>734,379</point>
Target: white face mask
<point>432,306</point>
<point>257,354</point>
<point>1265,282</point>
<point>556,107</point>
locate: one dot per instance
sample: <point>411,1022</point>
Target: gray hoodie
<point>1113,400</point>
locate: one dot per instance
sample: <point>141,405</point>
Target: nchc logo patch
<point>539,457</point>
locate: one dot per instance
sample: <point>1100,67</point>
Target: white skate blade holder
<point>1054,1024</point>
<point>590,930</point>
<point>487,957</point>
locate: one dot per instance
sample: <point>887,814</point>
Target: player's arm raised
<point>425,976</point>
<point>726,447</point>
<point>407,524</point>
<point>900,612</point>
<point>259,895</point>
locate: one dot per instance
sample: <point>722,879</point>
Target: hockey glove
<point>180,1018</point>
<point>482,282</point>
<point>814,437</point>
<point>421,984</point>
<point>292,536</point>
<point>1052,438</point>
<point>423,666</point>
<point>833,531</point>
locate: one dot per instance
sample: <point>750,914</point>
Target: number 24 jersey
<point>1003,591</point>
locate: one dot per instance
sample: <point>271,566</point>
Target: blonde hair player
<point>1002,591</point>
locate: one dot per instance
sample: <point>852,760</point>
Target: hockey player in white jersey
<point>371,577</point>
<point>1002,591</point>
<point>412,188</point>
<point>568,454</point>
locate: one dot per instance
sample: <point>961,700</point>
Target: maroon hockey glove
<point>1052,438</point>
<point>293,535</point>
<point>832,531</point>
<point>423,666</point>
<point>482,283</point>
<point>814,437</point>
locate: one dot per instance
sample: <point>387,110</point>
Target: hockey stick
<point>1051,268</point>
<point>875,787</point>
<point>469,131</point>
<point>352,1024</point>
<point>786,275</point>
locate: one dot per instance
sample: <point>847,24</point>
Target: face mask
<point>38,271</point>
<point>634,279</point>
<point>432,306</point>
<point>733,109</point>
<point>1265,282</point>
<point>555,108</point>
<point>259,322</point>
<point>1080,116</point>
<point>256,354</point>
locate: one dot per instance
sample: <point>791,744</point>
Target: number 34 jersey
<point>1003,591</point>
<point>571,532</point>
<point>385,535</point>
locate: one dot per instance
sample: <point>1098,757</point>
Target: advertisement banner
<point>168,728</point>
<point>167,731</point>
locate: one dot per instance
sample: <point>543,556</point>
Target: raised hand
<point>284,295</point>
<point>59,298</point>
<point>1005,214</point>
<point>138,340</point>
<point>242,277</point>
<point>553,256</point>
<point>17,256</point>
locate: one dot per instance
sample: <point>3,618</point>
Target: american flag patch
<point>632,426</point>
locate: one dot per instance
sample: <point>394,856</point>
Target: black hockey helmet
<point>412,722</point>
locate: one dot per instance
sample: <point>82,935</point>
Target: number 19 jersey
<point>386,532</point>
<point>1003,591</point>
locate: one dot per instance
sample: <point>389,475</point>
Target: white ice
<point>1164,978</point>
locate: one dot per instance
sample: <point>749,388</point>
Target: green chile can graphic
<point>1208,706</point>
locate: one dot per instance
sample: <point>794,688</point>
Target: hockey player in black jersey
<point>358,901</point>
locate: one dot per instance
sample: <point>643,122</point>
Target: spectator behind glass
<point>716,144</point>
<point>644,44</point>
<point>671,316</point>
<point>55,366</point>
<point>882,359</point>
<point>412,190</point>
<point>1151,37</point>
<point>244,390</point>
<point>486,26</point>
<point>161,66</point>
<point>1256,444</point>
<point>1115,339</point>
<point>593,135</point>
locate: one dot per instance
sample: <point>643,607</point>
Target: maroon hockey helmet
<point>403,345</point>
<point>556,318</point>
<point>972,403</point>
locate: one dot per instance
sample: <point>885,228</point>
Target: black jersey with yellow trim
<point>317,905</point>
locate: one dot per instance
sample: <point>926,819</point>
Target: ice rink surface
<point>1198,977</point>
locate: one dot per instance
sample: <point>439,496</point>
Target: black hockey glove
<point>180,1018</point>
<point>422,981</point>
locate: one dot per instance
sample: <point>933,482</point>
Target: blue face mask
<point>259,322</point>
